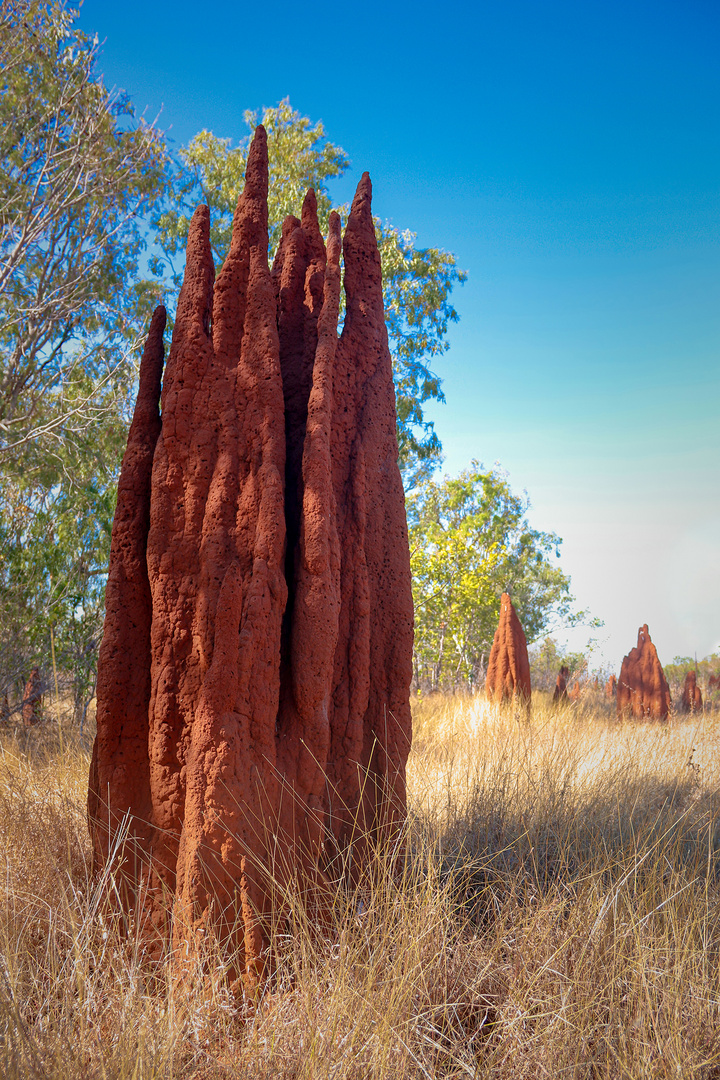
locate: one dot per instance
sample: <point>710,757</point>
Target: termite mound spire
<point>253,690</point>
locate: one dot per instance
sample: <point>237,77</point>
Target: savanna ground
<point>559,916</point>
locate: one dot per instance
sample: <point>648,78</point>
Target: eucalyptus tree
<point>417,282</point>
<point>470,541</point>
<point>78,175</point>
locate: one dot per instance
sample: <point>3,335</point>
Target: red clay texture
<point>691,700</point>
<point>560,691</point>
<point>508,674</point>
<point>642,689</point>
<point>32,698</point>
<point>253,712</point>
<point>119,770</point>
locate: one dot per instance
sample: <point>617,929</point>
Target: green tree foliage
<point>676,671</point>
<point>77,173</point>
<point>546,658</point>
<point>417,281</point>
<point>54,545</point>
<point>299,157</point>
<point>470,542</point>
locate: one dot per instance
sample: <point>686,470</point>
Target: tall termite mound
<point>508,674</point>
<point>692,695</point>
<point>642,689</point>
<point>253,685</point>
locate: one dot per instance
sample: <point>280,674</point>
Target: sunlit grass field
<point>558,916</point>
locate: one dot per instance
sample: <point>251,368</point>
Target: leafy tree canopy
<point>470,542</point>
<point>77,173</point>
<point>417,282</point>
<point>546,658</point>
<point>676,671</point>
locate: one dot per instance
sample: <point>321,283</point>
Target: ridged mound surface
<point>642,689</point>
<point>508,674</point>
<point>692,700</point>
<point>253,687</point>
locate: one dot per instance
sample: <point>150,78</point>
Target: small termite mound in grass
<point>508,675</point>
<point>642,689</point>
<point>692,700</point>
<point>560,691</point>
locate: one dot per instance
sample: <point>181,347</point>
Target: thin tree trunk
<point>438,665</point>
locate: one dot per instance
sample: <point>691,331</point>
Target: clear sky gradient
<point>569,155</point>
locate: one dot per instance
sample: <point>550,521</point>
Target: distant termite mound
<point>611,687</point>
<point>560,691</point>
<point>691,700</point>
<point>32,699</point>
<point>642,689</point>
<point>253,686</point>
<point>508,674</point>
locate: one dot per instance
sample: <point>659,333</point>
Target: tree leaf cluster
<point>417,282</point>
<point>676,671</point>
<point>90,197</point>
<point>76,176</point>
<point>547,657</point>
<point>470,541</point>
<point>79,173</point>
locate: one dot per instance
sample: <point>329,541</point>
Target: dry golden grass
<point>559,916</point>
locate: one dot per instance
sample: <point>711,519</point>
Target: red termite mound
<point>508,674</point>
<point>119,768</point>
<point>560,691</point>
<point>32,698</point>
<point>253,687</point>
<point>642,688</point>
<point>611,687</point>
<point>691,696</point>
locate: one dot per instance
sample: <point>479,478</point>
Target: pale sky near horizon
<point>569,155</point>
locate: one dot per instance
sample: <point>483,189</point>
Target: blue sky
<point>569,155</point>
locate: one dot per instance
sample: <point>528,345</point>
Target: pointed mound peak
<point>289,225</point>
<point>256,170</point>
<point>151,364</point>
<point>199,228</point>
<point>157,323</point>
<point>195,301</point>
<point>309,211</point>
<point>363,274</point>
<point>362,203</point>
<point>508,673</point>
<point>198,241</point>
<point>643,690</point>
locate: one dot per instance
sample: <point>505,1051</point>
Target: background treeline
<point>706,668</point>
<point>94,211</point>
